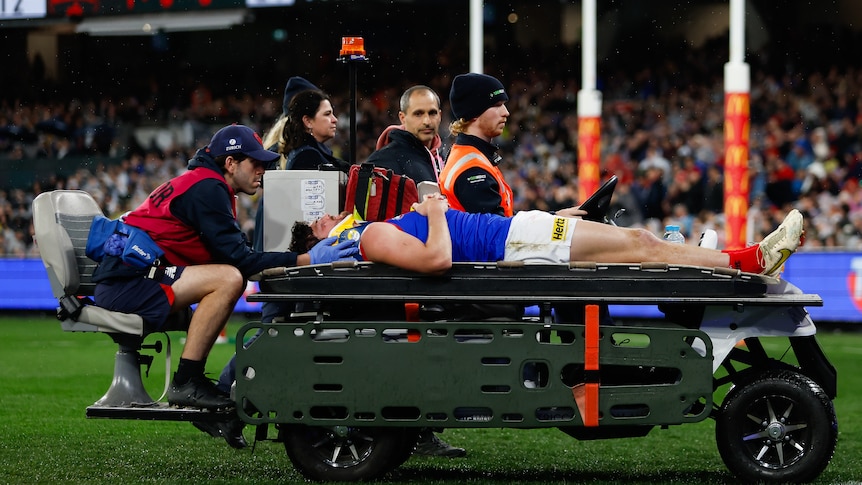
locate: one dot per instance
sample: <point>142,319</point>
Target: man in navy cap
<point>273,140</point>
<point>207,258</point>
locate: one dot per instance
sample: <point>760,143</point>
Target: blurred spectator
<point>662,135</point>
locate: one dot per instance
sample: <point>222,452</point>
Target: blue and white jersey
<point>475,237</point>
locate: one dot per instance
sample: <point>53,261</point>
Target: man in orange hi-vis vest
<point>471,179</point>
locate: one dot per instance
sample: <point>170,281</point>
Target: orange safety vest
<point>463,157</point>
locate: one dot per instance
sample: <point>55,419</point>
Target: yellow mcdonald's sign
<point>736,183</point>
<point>736,105</point>
<point>736,157</point>
<point>736,131</point>
<point>735,206</point>
<point>588,127</point>
<point>589,151</point>
<point>590,171</point>
<point>730,185</point>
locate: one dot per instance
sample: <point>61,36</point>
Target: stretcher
<point>349,392</point>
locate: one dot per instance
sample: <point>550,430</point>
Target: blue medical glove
<point>325,252</point>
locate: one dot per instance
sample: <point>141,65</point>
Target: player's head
<point>304,235</point>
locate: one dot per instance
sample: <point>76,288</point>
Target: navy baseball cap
<point>240,139</point>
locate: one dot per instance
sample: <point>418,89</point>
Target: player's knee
<point>233,280</point>
<point>644,239</point>
<point>228,281</point>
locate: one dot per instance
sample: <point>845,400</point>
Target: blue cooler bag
<point>114,238</point>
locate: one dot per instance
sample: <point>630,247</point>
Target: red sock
<point>745,259</point>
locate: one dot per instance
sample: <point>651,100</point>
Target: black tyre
<point>777,427</point>
<point>409,437</point>
<point>344,453</point>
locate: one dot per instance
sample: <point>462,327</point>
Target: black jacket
<point>311,155</point>
<point>405,155</point>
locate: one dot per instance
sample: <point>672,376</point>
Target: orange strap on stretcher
<point>588,400</point>
<point>411,312</point>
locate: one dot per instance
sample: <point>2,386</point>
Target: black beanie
<point>473,93</point>
<point>295,85</point>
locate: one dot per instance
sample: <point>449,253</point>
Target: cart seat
<point>62,220</point>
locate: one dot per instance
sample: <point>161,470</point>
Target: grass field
<point>48,377</point>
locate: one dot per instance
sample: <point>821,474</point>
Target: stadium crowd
<point>662,135</point>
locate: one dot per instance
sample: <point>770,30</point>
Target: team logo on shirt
<point>351,234</point>
<point>561,225</point>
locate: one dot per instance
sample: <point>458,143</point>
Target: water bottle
<point>672,234</point>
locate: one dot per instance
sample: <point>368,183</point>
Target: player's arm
<point>385,243</point>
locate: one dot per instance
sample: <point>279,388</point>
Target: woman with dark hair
<point>298,135</point>
<point>311,122</point>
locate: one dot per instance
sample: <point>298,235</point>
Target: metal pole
<point>352,52</point>
<point>352,155</point>
<point>737,101</point>
<point>737,30</point>
<point>589,107</point>
<point>588,44</point>
<point>477,44</point>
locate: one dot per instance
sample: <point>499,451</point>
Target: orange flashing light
<point>352,46</point>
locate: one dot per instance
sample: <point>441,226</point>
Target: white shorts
<point>539,237</point>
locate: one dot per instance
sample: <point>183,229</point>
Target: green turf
<point>48,377</point>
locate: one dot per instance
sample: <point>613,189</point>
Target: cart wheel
<point>778,427</point>
<point>409,437</point>
<point>344,453</point>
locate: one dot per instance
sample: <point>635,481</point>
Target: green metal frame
<point>468,374</point>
